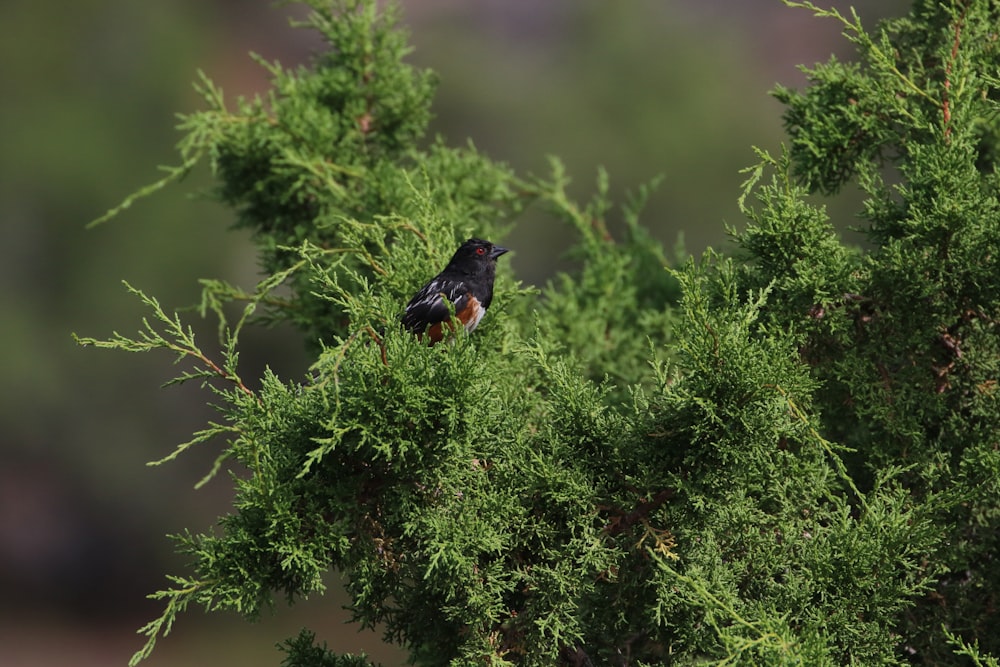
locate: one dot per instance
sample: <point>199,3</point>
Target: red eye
<point>480,251</point>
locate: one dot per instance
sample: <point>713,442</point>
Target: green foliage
<point>302,651</point>
<point>786,457</point>
<point>904,336</point>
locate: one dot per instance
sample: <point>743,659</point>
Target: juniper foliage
<point>788,456</point>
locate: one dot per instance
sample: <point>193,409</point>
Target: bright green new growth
<point>787,457</point>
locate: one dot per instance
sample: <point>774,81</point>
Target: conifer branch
<point>949,66</point>
<point>175,173</point>
<point>178,339</point>
<point>178,599</point>
<point>859,35</point>
<point>826,444</point>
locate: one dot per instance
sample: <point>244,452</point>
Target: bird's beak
<point>497,251</point>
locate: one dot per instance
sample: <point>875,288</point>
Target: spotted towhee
<point>467,283</point>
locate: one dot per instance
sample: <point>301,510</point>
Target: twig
<point>946,101</point>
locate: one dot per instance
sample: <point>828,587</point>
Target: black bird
<point>466,283</point>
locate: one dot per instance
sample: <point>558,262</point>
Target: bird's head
<point>475,255</point>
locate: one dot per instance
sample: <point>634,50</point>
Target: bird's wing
<point>428,306</point>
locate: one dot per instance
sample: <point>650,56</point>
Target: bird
<point>466,283</point>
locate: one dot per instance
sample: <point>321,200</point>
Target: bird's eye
<point>480,251</point>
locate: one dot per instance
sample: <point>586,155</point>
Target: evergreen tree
<point>788,456</point>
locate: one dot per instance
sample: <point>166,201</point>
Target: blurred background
<point>676,88</point>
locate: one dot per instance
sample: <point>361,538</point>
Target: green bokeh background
<point>90,91</point>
